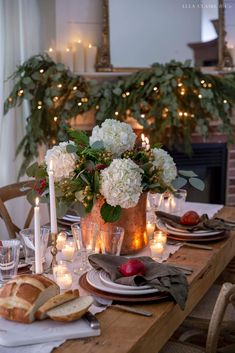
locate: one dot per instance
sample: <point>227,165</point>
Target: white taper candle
<point>53,219</point>
<point>37,235</point>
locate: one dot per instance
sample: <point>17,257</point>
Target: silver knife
<point>91,320</point>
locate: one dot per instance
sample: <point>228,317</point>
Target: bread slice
<point>21,297</point>
<point>59,299</point>
<point>72,310</point>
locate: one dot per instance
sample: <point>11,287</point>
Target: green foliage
<point>110,213</point>
<point>170,101</point>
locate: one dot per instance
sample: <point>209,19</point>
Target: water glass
<point>111,240</point>
<point>28,240</point>
<point>157,249</point>
<point>85,236</point>
<point>154,200</point>
<point>177,200</point>
<point>9,259</point>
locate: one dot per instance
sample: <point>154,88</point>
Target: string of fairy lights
<point>154,97</point>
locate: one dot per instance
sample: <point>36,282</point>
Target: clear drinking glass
<point>154,200</point>
<point>85,236</point>
<point>28,240</point>
<point>111,240</point>
<point>9,259</point>
<point>177,200</point>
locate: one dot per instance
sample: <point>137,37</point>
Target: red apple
<point>190,218</point>
<point>132,267</point>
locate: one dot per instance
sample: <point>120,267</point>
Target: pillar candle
<point>37,236</point>
<point>67,58</point>
<point>79,57</point>
<point>52,53</point>
<point>91,53</point>
<point>53,218</point>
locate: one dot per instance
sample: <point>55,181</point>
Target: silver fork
<point>129,309</point>
<point>189,245</point>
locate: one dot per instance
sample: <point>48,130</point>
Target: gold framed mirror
<point>104,63</point>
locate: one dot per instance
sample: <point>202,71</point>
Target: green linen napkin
<point>163,277</point>
<point>204,224</point>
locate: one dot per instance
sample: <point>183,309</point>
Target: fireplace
<point>209,162</point>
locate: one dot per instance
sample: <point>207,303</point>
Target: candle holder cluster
<point>78,57</point>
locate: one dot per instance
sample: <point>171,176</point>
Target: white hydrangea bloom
<point>117,137</point>
<point>164,163</point>
<point>121,183</point>
<point>63,162</point>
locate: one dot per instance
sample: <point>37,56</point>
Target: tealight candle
<point>160,237</point>
<point>64,279</point>
<point>68,251</point>
<point>61,240</point>
<point>60,267</point>
<point>150,228</point>
<point>156,248</point>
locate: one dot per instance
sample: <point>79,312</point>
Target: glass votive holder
<point>60,267</point>
<point>156,249</point>
<point>160,237</point>
<point>150,227</point>
<point>64,279</point>
<point>177,200</point>
<point>61,240</point>
<point>68,251</point>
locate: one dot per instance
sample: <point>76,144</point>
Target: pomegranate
<point>132,267</point>
<point>190,218</point>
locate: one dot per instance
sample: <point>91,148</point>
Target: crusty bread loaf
<point>72,310</point>
<point>21,297</point>
<point>59,299</point>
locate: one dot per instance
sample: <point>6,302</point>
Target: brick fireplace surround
<point>217,137</point>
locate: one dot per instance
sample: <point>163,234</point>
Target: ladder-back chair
<point>10,192</point>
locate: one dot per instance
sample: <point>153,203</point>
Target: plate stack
<point>99,283</point>
<point>68,220</point>
<point>190,236</point>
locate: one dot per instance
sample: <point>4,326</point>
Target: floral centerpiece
<point>111,169</point>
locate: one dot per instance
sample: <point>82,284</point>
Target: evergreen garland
<point>170,101</point>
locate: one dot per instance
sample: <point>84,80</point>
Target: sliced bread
<point>72,310</point>
<point>21,297</point>
<point>59,299</point>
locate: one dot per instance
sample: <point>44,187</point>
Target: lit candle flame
<point>89,46</point>
<point>142,137</point>
<point>79,41</point>
<point>50,50</point>
<point>67,49</point>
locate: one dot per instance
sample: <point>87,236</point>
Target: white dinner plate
<point>105,278</point>
<point>94,280</point>
<point>71,218</point>
<point>185,231</point>
<point>163,227</point>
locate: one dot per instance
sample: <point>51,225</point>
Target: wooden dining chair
<point>10,192</point>
<point>225,297</point>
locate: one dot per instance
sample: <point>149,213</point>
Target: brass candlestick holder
<point>53,250</point>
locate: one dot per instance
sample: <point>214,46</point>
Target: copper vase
<point>133,220</point>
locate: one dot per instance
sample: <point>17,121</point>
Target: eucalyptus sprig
<point>170,101</point>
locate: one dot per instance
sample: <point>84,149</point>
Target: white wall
<point>78,19</point>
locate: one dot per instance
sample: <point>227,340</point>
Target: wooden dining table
<point>123,332</point>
